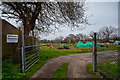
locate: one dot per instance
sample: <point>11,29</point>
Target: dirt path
<point>76,68</point>
<point>77,64</point>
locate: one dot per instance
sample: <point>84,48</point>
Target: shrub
<point>60,47</point>
<point>66,47</point>
<point>101,45</point>
<point>106,46</point>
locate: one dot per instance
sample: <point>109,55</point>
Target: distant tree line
<point>105,34</point>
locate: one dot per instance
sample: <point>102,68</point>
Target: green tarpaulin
<point>88,44</point>
<point>82,45</point>
<point>117,42</point>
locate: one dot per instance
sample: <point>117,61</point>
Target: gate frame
<point>22,51</point>
<point>24,69</point>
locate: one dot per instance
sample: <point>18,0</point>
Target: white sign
<point>12,38</point>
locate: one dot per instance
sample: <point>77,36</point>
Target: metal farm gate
<point>30,53</point>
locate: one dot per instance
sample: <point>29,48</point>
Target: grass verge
<point>107,69</point>
<point>10,70</point>
<point>61,72</point>
<point>93,75</point>
<point>110,68</point>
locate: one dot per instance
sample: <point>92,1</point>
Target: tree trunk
<point>17,58</point>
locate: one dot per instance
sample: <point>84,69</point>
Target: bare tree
<point>81,37</point>
<point>107,32</point>
<point>59,39</point>
<point>71,38</point>
<point>98,35</point>
<point>44,15</point>
<point>91,34</point>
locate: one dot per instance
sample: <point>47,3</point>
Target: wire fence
<point>108,64</point>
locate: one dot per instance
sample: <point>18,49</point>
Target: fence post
<point>94,57</point>
<point>23,57</point>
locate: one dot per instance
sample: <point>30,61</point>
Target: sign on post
<point>12,38</point>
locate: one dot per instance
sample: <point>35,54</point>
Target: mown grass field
<point>10,70</point>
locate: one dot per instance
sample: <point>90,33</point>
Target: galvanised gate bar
<point>30,54</point>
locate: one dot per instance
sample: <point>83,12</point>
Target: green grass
<point>93,75</point>
<point>10,70</point>
<point>61,72</point>
<point>110,47</point>
<point>90,69</point>
<point>110,70</point>
<point>46,54</point>
<point>75,50</point>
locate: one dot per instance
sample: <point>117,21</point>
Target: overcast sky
<point>104,14</point>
